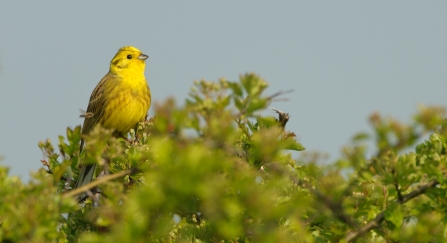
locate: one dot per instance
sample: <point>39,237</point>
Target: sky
<point>343,59</point>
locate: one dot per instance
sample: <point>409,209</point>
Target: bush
<point>215,171</point>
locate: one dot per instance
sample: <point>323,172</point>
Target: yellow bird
<point>120,100</point>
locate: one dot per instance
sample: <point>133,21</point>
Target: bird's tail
<point>85,177</point>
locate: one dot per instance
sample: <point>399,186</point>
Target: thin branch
<point>271,97</point>
<point>381,216</point>
<point>400,198</point>
<point>336,209</point>
<point>279,93</point>
<point>98,182</point>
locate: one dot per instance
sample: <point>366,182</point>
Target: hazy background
<point>344,59</point>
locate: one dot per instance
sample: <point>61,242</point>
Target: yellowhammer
<point>120,100</point>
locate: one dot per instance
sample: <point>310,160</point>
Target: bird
<point>119,101</point>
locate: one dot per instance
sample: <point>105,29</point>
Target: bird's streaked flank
<point>120,100</point>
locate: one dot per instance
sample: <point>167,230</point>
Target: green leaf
<point>394,215</point>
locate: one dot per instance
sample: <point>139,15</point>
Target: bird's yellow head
<point>128,59</point>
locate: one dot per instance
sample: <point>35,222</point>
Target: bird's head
<point>128,58</point>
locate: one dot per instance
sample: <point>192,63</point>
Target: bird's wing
<point>96,105</point>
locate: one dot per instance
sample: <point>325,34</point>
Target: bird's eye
<point>129,56</point>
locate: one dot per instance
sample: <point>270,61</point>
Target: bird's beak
<point>143,57</point>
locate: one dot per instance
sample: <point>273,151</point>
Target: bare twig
<point>381,216</point>
<point>279,93</point>
<point>271,97</point>
<point>98,182</point>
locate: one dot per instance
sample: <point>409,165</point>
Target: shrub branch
<point>98,182</point>
<point>381,216</point>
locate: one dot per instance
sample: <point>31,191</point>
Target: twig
<point>381,216</point>
<point>98,182</point>
<point>279,93</point>
<point>336,209</point>
<point>400,198</point>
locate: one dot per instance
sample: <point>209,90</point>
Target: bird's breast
<point>126,107</point>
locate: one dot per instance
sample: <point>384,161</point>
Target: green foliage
<point>215,171</point>
<point>32,212</point>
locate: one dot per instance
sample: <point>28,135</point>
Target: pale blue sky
<point>344,59</point>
